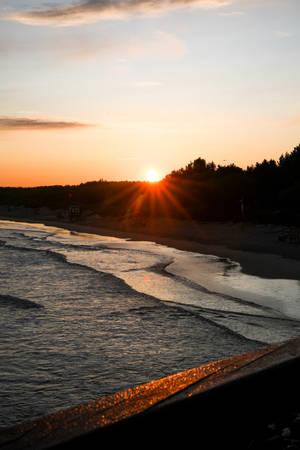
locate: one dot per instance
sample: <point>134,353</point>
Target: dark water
<point>71,332</point>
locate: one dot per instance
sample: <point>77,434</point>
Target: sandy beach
<point>256,247</point>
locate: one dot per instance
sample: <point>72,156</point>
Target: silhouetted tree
<point>269,192</point>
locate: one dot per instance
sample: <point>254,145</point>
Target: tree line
<point>267,192</point>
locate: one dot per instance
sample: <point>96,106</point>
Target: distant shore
<point>256,247</point>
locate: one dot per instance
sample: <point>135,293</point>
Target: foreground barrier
<point>226,402</point>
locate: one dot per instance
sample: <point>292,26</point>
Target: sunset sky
<point>109,89</point>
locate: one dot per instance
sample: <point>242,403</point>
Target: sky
<point>109,89</point>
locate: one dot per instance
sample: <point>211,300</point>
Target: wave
<point>114,283</point>
<point>238,316</point>
<point>55,255</point>
<point>160,267</point>
<point>71,246</point>
<point>16,302</point>
<point>162,270</point>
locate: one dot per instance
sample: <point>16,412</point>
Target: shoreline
<point>256,248</point>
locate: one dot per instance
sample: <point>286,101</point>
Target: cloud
<point>95,10</point>
<point>162,45</point>
<point>62,45</point>
<point>72,46</point>
<point>23,123</point>
<point>284,34</point>
<point>232,13</point>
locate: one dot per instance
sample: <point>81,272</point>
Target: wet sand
<point>256,247</point>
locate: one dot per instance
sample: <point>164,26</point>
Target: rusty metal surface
<point>84,419</point>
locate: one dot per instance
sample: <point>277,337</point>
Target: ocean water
<point>84,316</point>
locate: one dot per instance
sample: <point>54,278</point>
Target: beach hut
<point>74,212</point>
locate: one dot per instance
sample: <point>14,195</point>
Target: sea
<point>84,316</point>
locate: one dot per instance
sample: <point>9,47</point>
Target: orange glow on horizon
<point>149,200</point>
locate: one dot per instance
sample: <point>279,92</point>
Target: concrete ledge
<point>222,403</point>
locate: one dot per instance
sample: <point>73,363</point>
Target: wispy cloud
<point>284,34</point>
<point>162,45</point>
<point>67,47</point>
<point>24,123</point>
<point>94,10</point>
<point>232,13</point>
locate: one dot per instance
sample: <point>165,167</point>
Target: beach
<point>256,247</point>
<point>97,306</point>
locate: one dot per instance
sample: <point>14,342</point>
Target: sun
<point>152,176</point>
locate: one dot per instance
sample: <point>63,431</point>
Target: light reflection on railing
<point>87,417</point>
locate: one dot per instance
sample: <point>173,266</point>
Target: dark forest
<point>267,192</point>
